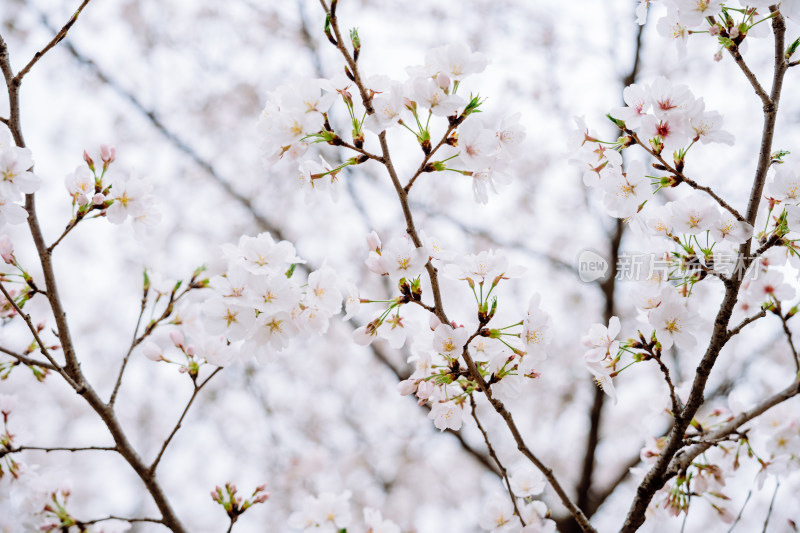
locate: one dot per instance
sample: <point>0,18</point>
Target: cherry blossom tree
<point>380,197</point>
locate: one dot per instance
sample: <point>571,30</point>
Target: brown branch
<point>657,475</point>
<point>197,389</point>
<point>771,504</point>
<point>680,177</point>
<point>492,453</point>
<point>749,320</point>
<point>789,339</point>
<point>71,371</point>
<point>59,36</point>
<point>135,342</point>
<point>433,278</point>
<point>676,402</point>
<point>131,520</point>
<point>48,449</point>
<point>751,77</point>
<point>39,342</point>
<point>28,361</point>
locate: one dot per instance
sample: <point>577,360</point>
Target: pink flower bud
<point>718,56</point>
<point>376,264</point>
<point>177,338</point>
<point>374,242</point>
<point>152,351</point>
<point>88,159</point>
<point>82,200</point>
<point>406,387</point>
<point>424,390</point>
<point>98,199</point>
<point>7,249</point>
<point>434,322</point>
<point>443,80</point>
<point>107,153</point>
<point>191,350</point>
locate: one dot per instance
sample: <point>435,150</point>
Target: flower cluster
<point>258,304</point>
<point>114,196</point>
<point>441,377</point>
<point>499,516</point>
<point>728,24</point>
<point>296,116</point>
<point>327,513</point>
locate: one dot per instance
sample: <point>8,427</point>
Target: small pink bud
<point>7,249</point>
<point>262,498</point>
<point>718,56</point>
<point>82,200</point>
<point>406,387</point>
<point>191,350</point>
<point>152,351</point>
<point>98,199</point>
<point>261,488</point>
<point>424,390</point>
<point>443,80</point>
<point>374,242</point>
<point>714,30</point>
<point>107,153</point>
<point>88,159</point>
<point>177,338</point>
<point>734,32</point>
<point>434,322</point>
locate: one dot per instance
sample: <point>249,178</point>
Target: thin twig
<point>739,516</point>
<point>59,36</point>
<point>28,361</point>
<point>503,471</point>
<point>771,503</point>
<point>98,520</point>
<point>789,339</point>
<point>749,320</point>
<point>39,342</point>
<point>676,402</point>
<point>48,449</point>
<point>133,345</point>
<point>197,389</point>
<point>680,177</point>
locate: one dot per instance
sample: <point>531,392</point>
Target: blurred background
<point>177,86</point>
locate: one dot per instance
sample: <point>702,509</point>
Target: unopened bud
<point>406,387</point>
<point>177,338</point>
<point>374,242</point>
<point>107,154</point>
<point>88,159</point>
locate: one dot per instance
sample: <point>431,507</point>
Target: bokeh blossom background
<point>178,87</point>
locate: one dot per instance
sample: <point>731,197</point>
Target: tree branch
<point>656,477</point>
<point>197,389</point>
<point>749,320</point>
<point>503,471</point>
<point>28,361</point>
<point>59,36</point>
<point>402,194</point>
